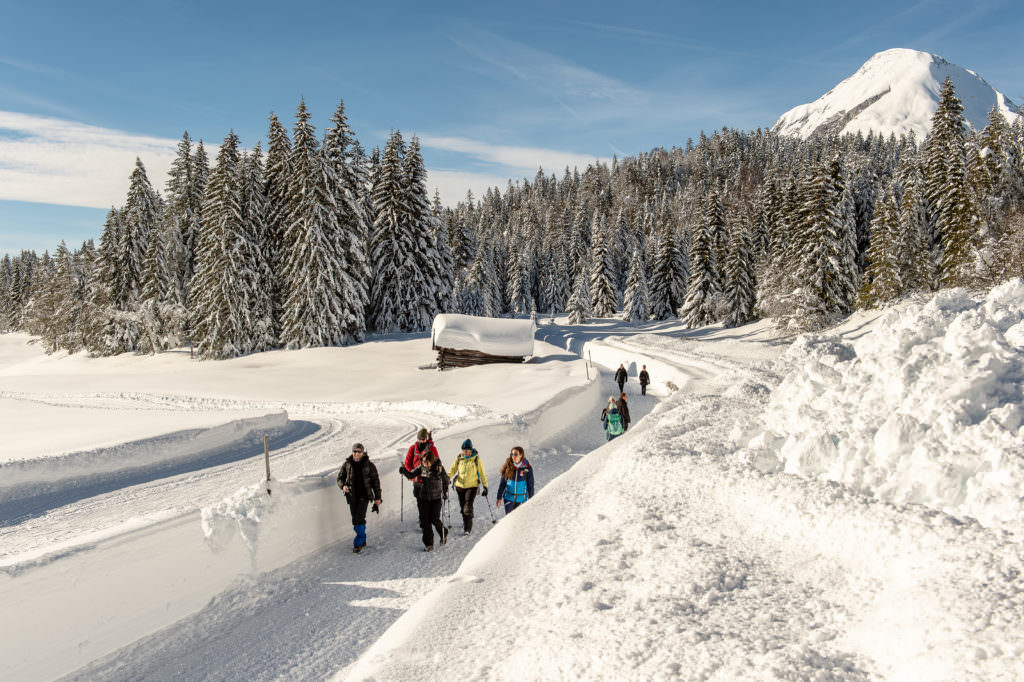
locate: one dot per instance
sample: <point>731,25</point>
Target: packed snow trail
<point>684,562</point>
<point>312,616</point>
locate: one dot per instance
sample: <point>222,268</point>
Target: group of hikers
<point>360,482</point>
<point>615,415</point>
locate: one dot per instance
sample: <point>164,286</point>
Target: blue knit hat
<point>467,444</point>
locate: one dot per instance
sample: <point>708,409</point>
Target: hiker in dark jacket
<point>433,492</point>
<point>359,481</point>
<point>415,452</point>
<point>645,379</point>
<point>620,377</point>
<point>623,410</point>
<point>516,484</point>
<point>467,473</point>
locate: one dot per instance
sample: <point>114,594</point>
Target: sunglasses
<point>357,452</point>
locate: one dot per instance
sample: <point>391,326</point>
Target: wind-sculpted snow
<point>927,408</point>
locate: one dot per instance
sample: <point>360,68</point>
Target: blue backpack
<point>614,426</point>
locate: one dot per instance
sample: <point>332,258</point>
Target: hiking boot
<point>357,550</point>
<point>465,532</point>
<point>428,548</point>
<point>444,534</point>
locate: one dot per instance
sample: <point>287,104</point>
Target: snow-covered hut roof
<point>491,335</point>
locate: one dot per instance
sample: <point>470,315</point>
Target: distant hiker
<point>359,481</point>
<point>433,492</point>
<point>620,377</point>
<point>467,473</point>
<point>623,410</point>
<point>423,444</point>
<point>516,484</point>
<point>612,420</point>
<point>645,379</point>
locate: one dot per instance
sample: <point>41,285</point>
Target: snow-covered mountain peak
<point>896,91</point>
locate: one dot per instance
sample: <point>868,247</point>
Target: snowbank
<point>927,408</point>
<point>32,486</point>
<point>489,335</point>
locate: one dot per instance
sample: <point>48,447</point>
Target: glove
<point>402,470</point>
<point>485,491</point>
<point>376,509</point>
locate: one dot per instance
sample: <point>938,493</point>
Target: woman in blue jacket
<point>516,484</point>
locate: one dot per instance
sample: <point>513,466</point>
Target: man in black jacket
<point>620,377</point>
<point>359,481</point>
<point>623,410</point>
<point>645,379</point>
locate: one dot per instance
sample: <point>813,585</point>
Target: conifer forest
<point>314,242</point>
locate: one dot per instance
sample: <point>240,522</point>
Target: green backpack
<point>614,424</point>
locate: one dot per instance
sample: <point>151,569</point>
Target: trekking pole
<point>494,519</point>
<point>401,506</point>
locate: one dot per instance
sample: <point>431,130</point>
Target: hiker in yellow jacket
<point>468,475</point>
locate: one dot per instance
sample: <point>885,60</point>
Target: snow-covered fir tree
<point>254,206</point>
<point>604,299</point>
<point>947,188</point>
<point>318,302</point>
<point>740,277</point>
<point>578,306</point>
<point>140,218</point>
<point>699,307</point>
<point>227,296</point>
<point>345,174</point>
<point>883,281</point>
<point>636,306</point>
<point>277,177</point>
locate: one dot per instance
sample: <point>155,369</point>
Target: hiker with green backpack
<point>614,425</point>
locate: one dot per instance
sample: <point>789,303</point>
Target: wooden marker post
<point>266,455</point>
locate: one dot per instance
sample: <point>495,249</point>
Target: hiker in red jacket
<point>414,456</point>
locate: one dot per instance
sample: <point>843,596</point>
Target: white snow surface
<point>491,335</point>
<point>830,507</point>
<point>896,91</point>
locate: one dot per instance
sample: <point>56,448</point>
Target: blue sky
<point>493,90</point>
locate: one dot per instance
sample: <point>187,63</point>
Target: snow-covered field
<point>846,506</point>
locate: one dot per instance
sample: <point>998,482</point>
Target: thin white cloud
<point>524,161</point>
<point>56,161</point>
<point>452,185</point>
<point>545,71</point>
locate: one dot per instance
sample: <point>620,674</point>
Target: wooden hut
<point>464,340</point>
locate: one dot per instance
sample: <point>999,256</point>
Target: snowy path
<point>683,561</point>
<point>309,618</point>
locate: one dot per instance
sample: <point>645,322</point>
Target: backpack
<point>614,424</point>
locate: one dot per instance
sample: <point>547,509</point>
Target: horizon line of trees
<point>316,244</point>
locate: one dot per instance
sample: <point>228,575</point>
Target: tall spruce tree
<point>226,270</point>
<point>699,307</point>
<point>883,281</point>
<point>636,306</point>
<point>277,177</point>
<point>318,302</point>
<point>740,282</point>
<point>343,159</point>
<point>140,218</point>
<point>604,299</point>
<point>579,301</point>
<point>947,188</point>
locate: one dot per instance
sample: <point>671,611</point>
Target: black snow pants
<point>467,496</point>
<point>430,518</point>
